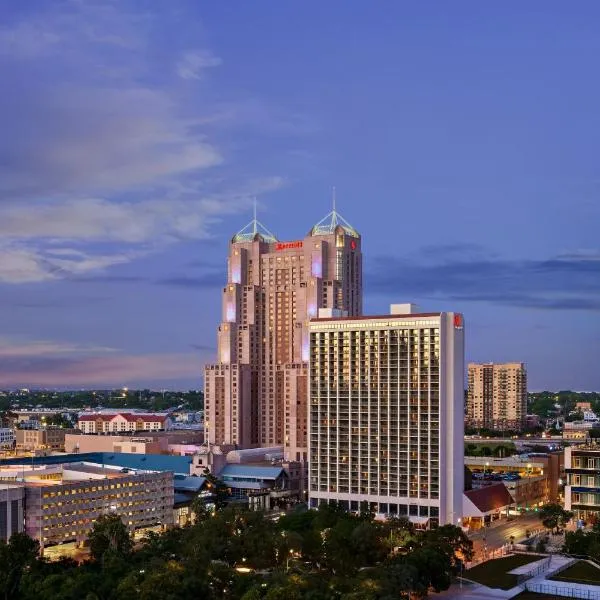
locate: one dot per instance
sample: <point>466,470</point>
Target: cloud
<point>45,363</point>
<point>14,348</point>
<point>564,282</point>
<point>111,371</point>
<point>193,63</point>
<point>104,155</point>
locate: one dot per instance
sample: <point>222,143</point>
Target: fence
<point>522,577</point>
<point>558,590</point>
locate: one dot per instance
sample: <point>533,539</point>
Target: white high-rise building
<point>386,415</point>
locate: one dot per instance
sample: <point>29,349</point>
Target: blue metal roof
<point>251,472</point>
<point>148,462</point>
<point>188,484</point>
<point>247,485</point>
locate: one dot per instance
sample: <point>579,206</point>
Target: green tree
<point>109,536</point>
<point>554,515</point>
<point>218,488</point>
<point>16,556</point>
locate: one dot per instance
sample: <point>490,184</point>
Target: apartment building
<point>387,413</point>
<point>122,422</point>
<point>582,491</point>
<point>497,395</point>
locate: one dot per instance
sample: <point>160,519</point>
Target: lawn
<point>580,572</point>
<point>494,573</point>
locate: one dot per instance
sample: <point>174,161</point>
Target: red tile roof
<point>131,417</point>
<point>490,497</point>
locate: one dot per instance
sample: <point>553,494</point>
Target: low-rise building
<point>7,437</point>
<point>62,501</point>
<point>135,442</point>
<point>50,438</point>
<point>531,479</point>
<point>123,422</point>
<point>582,490</point>
<point>486,504</point>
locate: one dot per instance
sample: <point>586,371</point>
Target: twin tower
<point>256,395</point>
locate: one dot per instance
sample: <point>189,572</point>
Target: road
<point>498,535</point>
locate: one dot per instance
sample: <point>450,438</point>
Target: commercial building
<point>256,394</point>
<point>582,491</point>
<point>49,438</point>
<point>12,500</point>
<point>7,437</point>
<point>387,413</point>
<point>532,479</point>
<point>497,396</point>
<point>122,422</point>
<point>151,442</point>
<point>62,501</point>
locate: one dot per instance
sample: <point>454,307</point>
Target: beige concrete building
<point>497,395</point>
<point>32,440</point>
<point>151,442</point>
<point>62,501</point>
<point>115,443</point>
<point>387,414</point>
<point>256,394</point>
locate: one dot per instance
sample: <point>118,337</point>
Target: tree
<point>217,488</point>
<point>554,515</point>
<point>20,553</point>
<point>109,536</point>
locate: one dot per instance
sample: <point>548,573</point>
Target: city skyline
<point>461,142</point>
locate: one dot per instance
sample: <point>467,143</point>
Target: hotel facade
<point>386,419</point>
<point>256,394</point>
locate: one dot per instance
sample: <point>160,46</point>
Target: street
<point>497,535</point>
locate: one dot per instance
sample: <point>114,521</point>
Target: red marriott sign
<point>288,245</point>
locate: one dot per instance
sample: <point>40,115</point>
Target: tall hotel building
<point>257,392</point>
<point>387,413</point>
<point>497,395</point>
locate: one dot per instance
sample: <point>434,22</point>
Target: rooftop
<point>331,223</point>
<point>254,231</point>
<point>489,498</point>
<point>388,317</point>
<point>251,471</point>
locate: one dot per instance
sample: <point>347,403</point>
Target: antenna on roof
<point>254,213</point>
<point>333,197</point>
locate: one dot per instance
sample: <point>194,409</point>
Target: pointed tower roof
<point>255,230</point>
<point>331,222</point>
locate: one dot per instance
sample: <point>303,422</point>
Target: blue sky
<point>462,138</point>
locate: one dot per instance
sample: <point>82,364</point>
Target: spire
<point>253,229</point>
<point>332,221</point>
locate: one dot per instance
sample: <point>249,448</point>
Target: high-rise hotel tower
<point>387,413</point>
<point>256,394</point>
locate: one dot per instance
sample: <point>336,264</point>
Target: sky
<point>462,139</point>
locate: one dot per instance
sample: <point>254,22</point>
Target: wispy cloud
<point>47,363</point>
<point>469,274</point>
<point>102,159</point>
<point>61,371</point>
<point>193,63</point>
